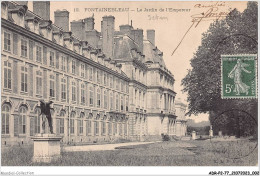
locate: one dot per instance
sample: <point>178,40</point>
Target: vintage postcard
<point>129,83</point>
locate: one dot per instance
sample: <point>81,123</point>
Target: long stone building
<point>105,86</point>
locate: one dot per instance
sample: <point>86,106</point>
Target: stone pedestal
<point>46,148</point>
<point>193,135</point>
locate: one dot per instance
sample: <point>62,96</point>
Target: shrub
<point>165,137</point>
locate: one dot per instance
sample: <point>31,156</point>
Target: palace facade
<point>106,86</point>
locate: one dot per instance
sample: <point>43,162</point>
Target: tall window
<point>105,79</point>
<point>73,67</point>
<point>7,41</point>
<point>105,99</point>
<point>98,76</point>
<point>126,103</point>
<point>63,63</point>
<point>90,73</point>
<point>117,102</point>
<point>57,60</point>
<point>144,100</point>
<point>103,128</point>
<point>52,59</point>
<point>117,84</point>
<point>120,129</point>
<point>73,92</point>
<point>98,98</point>
<point>136,97</point>
<point>81,123</point>
<point>52,86</point>
<point>22,120</point>
<point>111,82</point>
<point>24,48</point>
<point>38,82</point>
<point>91,96</point>
<point>122,102</point>
<point>24,80</point>
<point>96,127</point>
<point>110,128</point>
<point>72,122</point>
<point>63,89</point>
<point>7,75</point>
<point>5,119</point>
<point>127,88</point>
<point>111,101</point>
<point>122,85</point>
<point>82,72</point>
<point>88,127</point>
<point>37,121</point>
<point>82,93</point>
<point>115,128</point>
<point>61,120</point>
<point>125,128</point>
<point>38,54</point>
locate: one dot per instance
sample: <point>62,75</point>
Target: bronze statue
<point>46,110</point>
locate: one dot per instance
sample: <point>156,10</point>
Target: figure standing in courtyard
<point>236,74</point>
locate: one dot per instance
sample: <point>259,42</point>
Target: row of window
<point>100,100</point>
<point>62,62</point>
<point>140,98</point>
<point>140,75</point>
<point>106,127</point>
<point>110,128</point>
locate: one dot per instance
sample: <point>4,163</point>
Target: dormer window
<point>20,19</point>
<point>4,12</point>
<point>36,27</point>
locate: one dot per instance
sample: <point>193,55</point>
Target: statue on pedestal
<point>46,110</point>
<point>210,131</point>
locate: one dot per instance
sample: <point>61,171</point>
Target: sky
<point>170,26</point>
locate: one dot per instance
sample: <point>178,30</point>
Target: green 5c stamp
<point>239,76</point>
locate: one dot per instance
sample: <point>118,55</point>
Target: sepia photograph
<point>129,83</point>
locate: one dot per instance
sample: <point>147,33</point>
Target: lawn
<point>170,153</point>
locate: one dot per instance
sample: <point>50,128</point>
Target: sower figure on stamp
<point>46,110</point>
<point>235,74</point>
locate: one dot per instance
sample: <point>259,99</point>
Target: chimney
<point>151,36</point>
<point>22,2</point>
<point>138,37</point>
<point>89,23</point>
<point>92,37</point>
<point>78,29</point>
<point>126,29</point>
<point>107,30</point>
<point>42,9</point>
<point>61,19</point>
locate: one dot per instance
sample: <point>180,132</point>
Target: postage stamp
<point>239,76</point>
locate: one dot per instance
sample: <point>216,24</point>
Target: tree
<point>235,34</point>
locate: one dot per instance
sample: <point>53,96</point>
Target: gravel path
<point>102,147</point>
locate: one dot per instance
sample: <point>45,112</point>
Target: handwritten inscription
<point>215,4</point>
<point>210,14</point>
<point>156,17</point>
